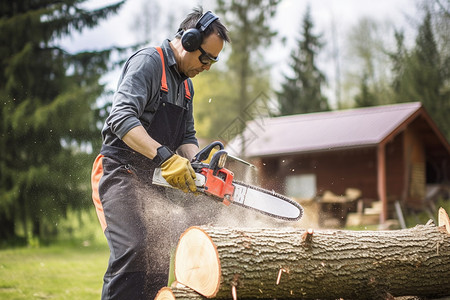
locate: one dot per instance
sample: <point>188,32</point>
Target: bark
<point>325,264</point>
<point>178,293</point>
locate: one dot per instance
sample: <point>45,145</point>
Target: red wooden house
<point>388,152</point>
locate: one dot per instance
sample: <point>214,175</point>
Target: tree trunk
<point>325,264</point>
<point>7,227</point>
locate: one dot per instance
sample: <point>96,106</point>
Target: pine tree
<point>421,75</point>
<point>398,60</point>
<point>430,76</point>
<point>48,115</point>
<point>302,92</point>
<point>365,97</point>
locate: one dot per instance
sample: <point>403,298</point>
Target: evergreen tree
<point>302,92</point>
<point>365,97</point>
<point>423,76</point>
<point>48,115</point>
<point>398,60</point>
<point>430,76</point>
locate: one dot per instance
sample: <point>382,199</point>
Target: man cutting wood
<point>150,125</point>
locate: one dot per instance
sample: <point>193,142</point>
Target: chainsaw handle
<point>218,160</point>
<point>204,153</point>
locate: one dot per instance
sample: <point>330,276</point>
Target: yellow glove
<point>178,172</point>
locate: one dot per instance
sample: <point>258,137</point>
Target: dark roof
<point>361,127</point>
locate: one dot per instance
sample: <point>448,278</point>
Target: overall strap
<point>187,94</point>
<point>164,87</point>
<point>163,78</point>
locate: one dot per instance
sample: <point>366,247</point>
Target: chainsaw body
<point>213,179</point>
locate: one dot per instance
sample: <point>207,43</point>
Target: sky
<point>330,17</point>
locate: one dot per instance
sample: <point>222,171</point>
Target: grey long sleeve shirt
<point>139,89</point>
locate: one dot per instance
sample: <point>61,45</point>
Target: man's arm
<point>139,140</point>
<point>188,151</point>
<point>175,169</point>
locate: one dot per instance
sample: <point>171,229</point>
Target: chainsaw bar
<point>266,202</point>
<point>251,197</point>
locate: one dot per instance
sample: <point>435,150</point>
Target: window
<point>301,186</point>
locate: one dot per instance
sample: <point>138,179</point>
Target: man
<point>150,125</point>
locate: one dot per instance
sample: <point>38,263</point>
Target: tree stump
<point>325,264</point>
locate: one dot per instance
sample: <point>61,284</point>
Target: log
<point>178,293</point>
<point>443,219</point>
<point>292,263</point>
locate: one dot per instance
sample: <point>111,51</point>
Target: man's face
<point>190,63</point>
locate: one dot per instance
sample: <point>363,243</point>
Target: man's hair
<point>215,27</point>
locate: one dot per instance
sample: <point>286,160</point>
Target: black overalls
<point>140,224</point>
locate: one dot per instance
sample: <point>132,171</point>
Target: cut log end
<point>165,294</point>
<point>444,219</point>
<point>197,262</point>
<point>178,293</point>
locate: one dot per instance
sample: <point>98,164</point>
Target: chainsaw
<point>214,180</point>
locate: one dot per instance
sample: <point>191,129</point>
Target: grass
<point>55,272</point>
<point>65,270</point>
<point>72,267</point>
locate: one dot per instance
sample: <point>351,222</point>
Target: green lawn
<point>55,272</point>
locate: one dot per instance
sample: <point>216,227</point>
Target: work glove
<point>178,172</point>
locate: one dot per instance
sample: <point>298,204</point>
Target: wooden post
<point>381,180</point>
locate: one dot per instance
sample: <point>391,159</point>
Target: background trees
<point>48,113</point>
<point>227,95</point>
<point>422,74</point>
<point>389,69</point>
<point>367,46</point>
<point>50,116</point>
<point>301,92</point>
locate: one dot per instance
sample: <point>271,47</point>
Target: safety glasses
<point>206,59</point>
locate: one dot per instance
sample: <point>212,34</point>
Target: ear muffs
<point>192,38</point>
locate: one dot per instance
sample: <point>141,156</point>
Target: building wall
<point>338,170</point>
<point>395,169</point>
<point>414,158</point>
<point>335,170</point>
<point>415,171</point>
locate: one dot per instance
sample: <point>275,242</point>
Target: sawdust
<point>169,212</point>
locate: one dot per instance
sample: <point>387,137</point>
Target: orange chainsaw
<point>214,180</point>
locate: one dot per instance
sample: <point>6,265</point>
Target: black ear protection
<point>192,38</point>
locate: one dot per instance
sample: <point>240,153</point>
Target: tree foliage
<point>417,73</point>
<point>422,74</point>
<point>214,103</point>
<point>366,97</point>
<point>246,73</point>
<point>302,92</point>
<point>367,74</point>
<point>48,113</point>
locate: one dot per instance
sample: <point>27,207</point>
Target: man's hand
<point>178,172</point>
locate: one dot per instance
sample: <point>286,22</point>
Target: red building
<point>391,153</point>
